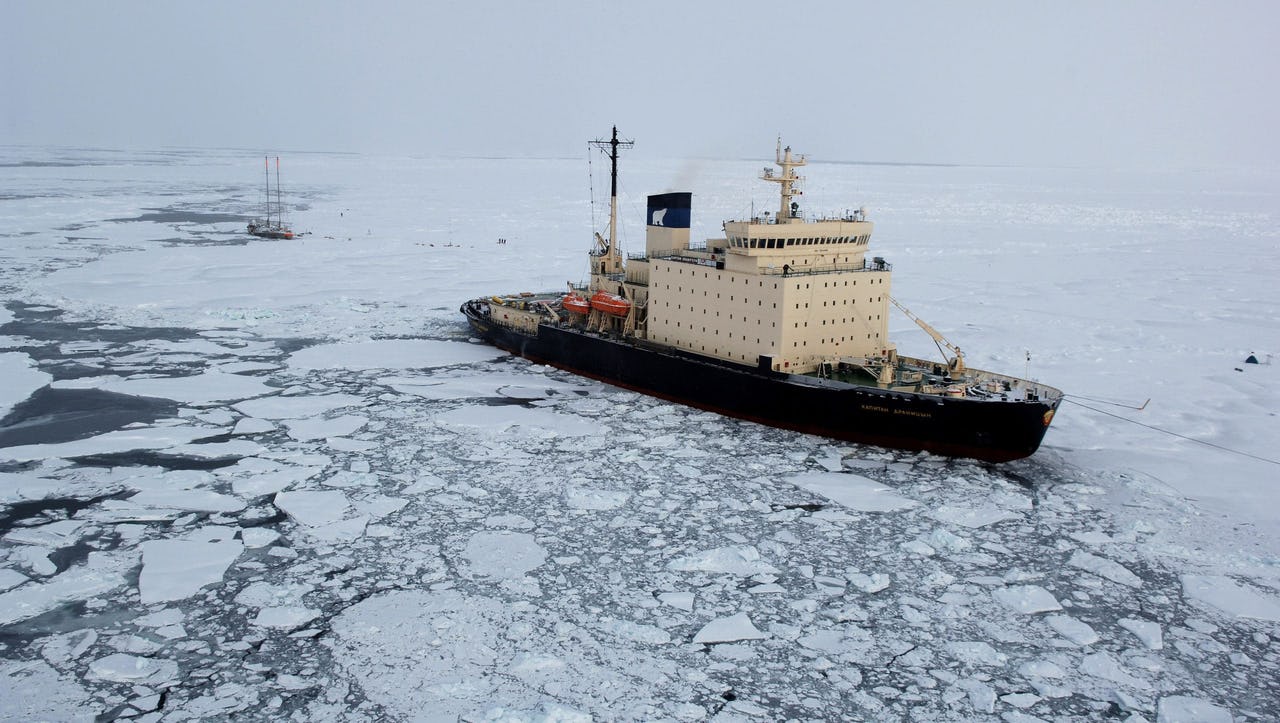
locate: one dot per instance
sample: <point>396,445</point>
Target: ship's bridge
<point>757,236</point>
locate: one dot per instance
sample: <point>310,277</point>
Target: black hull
<point>994,431</point>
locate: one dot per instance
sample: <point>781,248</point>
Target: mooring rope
<point>1173,434</point>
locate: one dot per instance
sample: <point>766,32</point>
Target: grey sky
<point>1139,83</point>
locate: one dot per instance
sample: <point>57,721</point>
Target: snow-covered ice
<point>21,378</point>
<point>390,354</point>
<point>1027,599</point>
<point>728,630</point>
<point>179,568</point>
<point>1232,598</point>
<point>279,480</point>
<point>852,491</point>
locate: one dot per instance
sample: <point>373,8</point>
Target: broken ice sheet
<point>852,491</point>
<point>390,354</point>
<point>517,422</point>
<point>1229,596</point>
<point>119,441</point>
<point>123,668</point>
<point>744,560</point>
<point>101,572</point>
<point>973,517</point>
<point>198,389</point>
<point>503,554</point>
<point>729,629</point>
<point>313,428</point>
<point>173,569</point>
<point>1027,599</point>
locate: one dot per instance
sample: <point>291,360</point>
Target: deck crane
<point>955,364</point>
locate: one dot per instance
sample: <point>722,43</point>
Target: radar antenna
<point>610,148</point>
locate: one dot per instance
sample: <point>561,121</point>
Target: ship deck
<point>911,375</point>
<point>922,376</point>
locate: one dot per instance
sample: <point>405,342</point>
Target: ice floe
<point>1103,567</point>
<point>516,421</point>
<point>125,440</point>
<point>1230,597</point>
<point>21,378</point>
<point>1150,633</point>
<point>297,407</point>
<point>135,669</point>
<point>390,354</point>
<point>207,388</point>
<point>1027,599</point>
<point>1189,709</point>
<point>305,430</point>
<point>744,560</point>
<point>503,554</point>
<point>728,630</point>
<point>853,491</point>
<point>100,573</point>
<point>174,569</point>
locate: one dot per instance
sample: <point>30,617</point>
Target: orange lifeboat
<point>610,303</point>
<point>575,303</point>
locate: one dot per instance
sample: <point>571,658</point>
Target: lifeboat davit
<point>610,303</point>
<point>575,303</point>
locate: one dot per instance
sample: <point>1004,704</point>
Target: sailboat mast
<point>279,204</point>
<point>266,176</point>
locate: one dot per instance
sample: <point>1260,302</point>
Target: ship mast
<point>788,211</point>
<point>279,205</point>
<point>266,176</point>
<point>611,258</point>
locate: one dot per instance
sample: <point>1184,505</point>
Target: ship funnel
<point>667,223</point>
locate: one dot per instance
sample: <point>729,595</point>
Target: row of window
<point>798,324</point>
<point>741,242</point>
<point>704,313</point>
<point>843,302</point>
<point>824,341</point>
<point>747,279</point>
<point>719,277</point>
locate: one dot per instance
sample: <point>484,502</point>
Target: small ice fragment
<point>853,491</point>
<point>1103,567</point>
<point>1148,632</point>
<point>503,554</point>
<point>918,547</point>
<point>737,560</point>
<point>1187,709</point>
<point>286,616</point>
<point>318,428</point>
<point>258,536</point>
<point>870,584</point>
<point>1027,599</point>
<point>252,425</point>
<point>972,517</point>
<point>976,652</point>
<point>1068,627</point>
<point>1021,700</point>
<point>581,498</point>
<point>124,668</point>
<point>728,630</point>
<point>678,600</point>
<point>637,632</point>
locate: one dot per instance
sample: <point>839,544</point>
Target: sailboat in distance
<point>271,227</point>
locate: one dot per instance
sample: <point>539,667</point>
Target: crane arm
<point>955,363</point>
